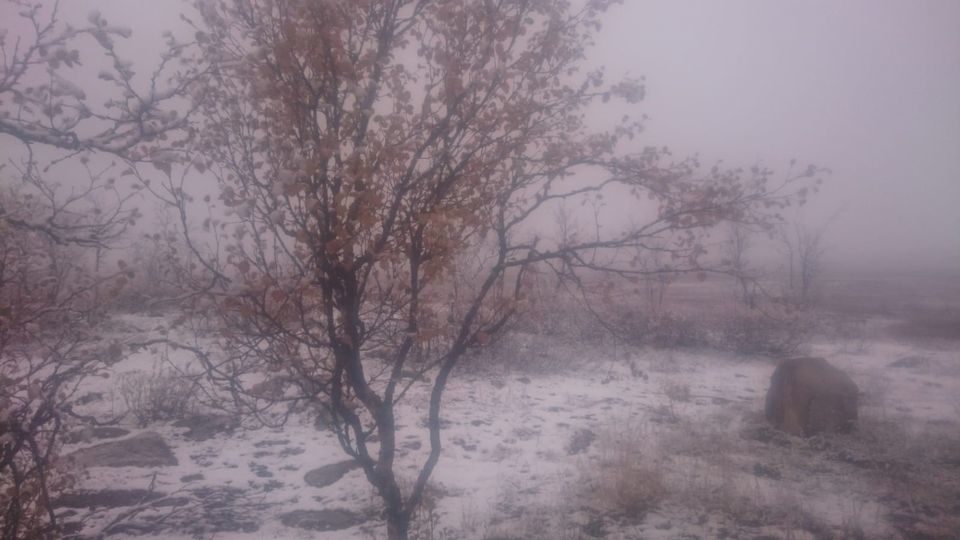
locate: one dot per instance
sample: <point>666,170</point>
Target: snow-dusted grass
<point>548,437</point>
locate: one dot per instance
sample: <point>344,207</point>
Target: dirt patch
<point>322,520</point>
<point>765,434</point>
<point>89,434</point>
<point>580,441</point>
<point>89,397</point>
<point>937,327</point>
<point>202,427</point>
<point>223,509</point>
<point>144,450</point>
<point>109,498</point>
<point>267,443</point>
<point>911,362</point>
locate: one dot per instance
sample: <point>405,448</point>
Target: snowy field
<point>551,437</point>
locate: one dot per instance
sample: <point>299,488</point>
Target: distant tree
<point>361,148</point>
<point>739,241</point>
<point>804,250</point>
<point>658,273</point>
<point>51,234</point>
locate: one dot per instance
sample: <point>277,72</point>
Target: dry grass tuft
<point>627,480</point>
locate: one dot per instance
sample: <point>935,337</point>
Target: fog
<point>870,90</point>
<point>424,299</point>
<point>866,89</point>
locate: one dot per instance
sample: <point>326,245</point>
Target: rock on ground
<point>328,474</point>
<point>109,498</point>
<point>201,427</point>
<point>147,449</point>
<point>809,396</point>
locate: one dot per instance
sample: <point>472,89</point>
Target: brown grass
<point>928,326</point>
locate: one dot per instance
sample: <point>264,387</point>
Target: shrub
<point>663,330</point>
<point>626,481</point>
<point>943,325</point>
<point>762,333</point>
<point>158,396</point>
<point>631,487</point>
<point>753,332</point>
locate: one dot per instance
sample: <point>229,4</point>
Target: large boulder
<point>809,396</point>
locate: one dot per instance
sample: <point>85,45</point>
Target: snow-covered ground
<point>585,441</point>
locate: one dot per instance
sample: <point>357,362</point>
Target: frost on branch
<point>41,103</point>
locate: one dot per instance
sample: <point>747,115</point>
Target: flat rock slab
<point>322,520</point>
<point>144,450</point>
<point>99,432</point>
<point>911,362</point>
<point>201,427</point>
<point>328,474</point>
<point>108,498</point>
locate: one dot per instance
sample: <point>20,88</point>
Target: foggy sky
<point>867,88</point>
<point>870,89</point>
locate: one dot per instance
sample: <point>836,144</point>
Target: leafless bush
<point>763,333</point>
<point>706,476</point>
<point>159,273</point>
<point>630,486</point>
<point>804,250</point>
<point>752,332</point>
<point>425,522</point>
<point>50,305</point>
<point>676,393</point>
<point>524,352</point>
<point>54,281</point>
<point>160,395</point>
<point>913,466</point>
<point>664,330</point>
<point>851,332</point>
<point>553,311</point>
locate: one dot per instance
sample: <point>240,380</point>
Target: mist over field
<point>480,269</point>
<point>867,89</point>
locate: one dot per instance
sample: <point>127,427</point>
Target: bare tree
<point>739,242</point>
<point>658,274</point>
<point>804,250</point>
<point>361,148</point>
<point>52,233</point>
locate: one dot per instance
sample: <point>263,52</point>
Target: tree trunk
<point>398,524</point>
<point>748,295</point>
